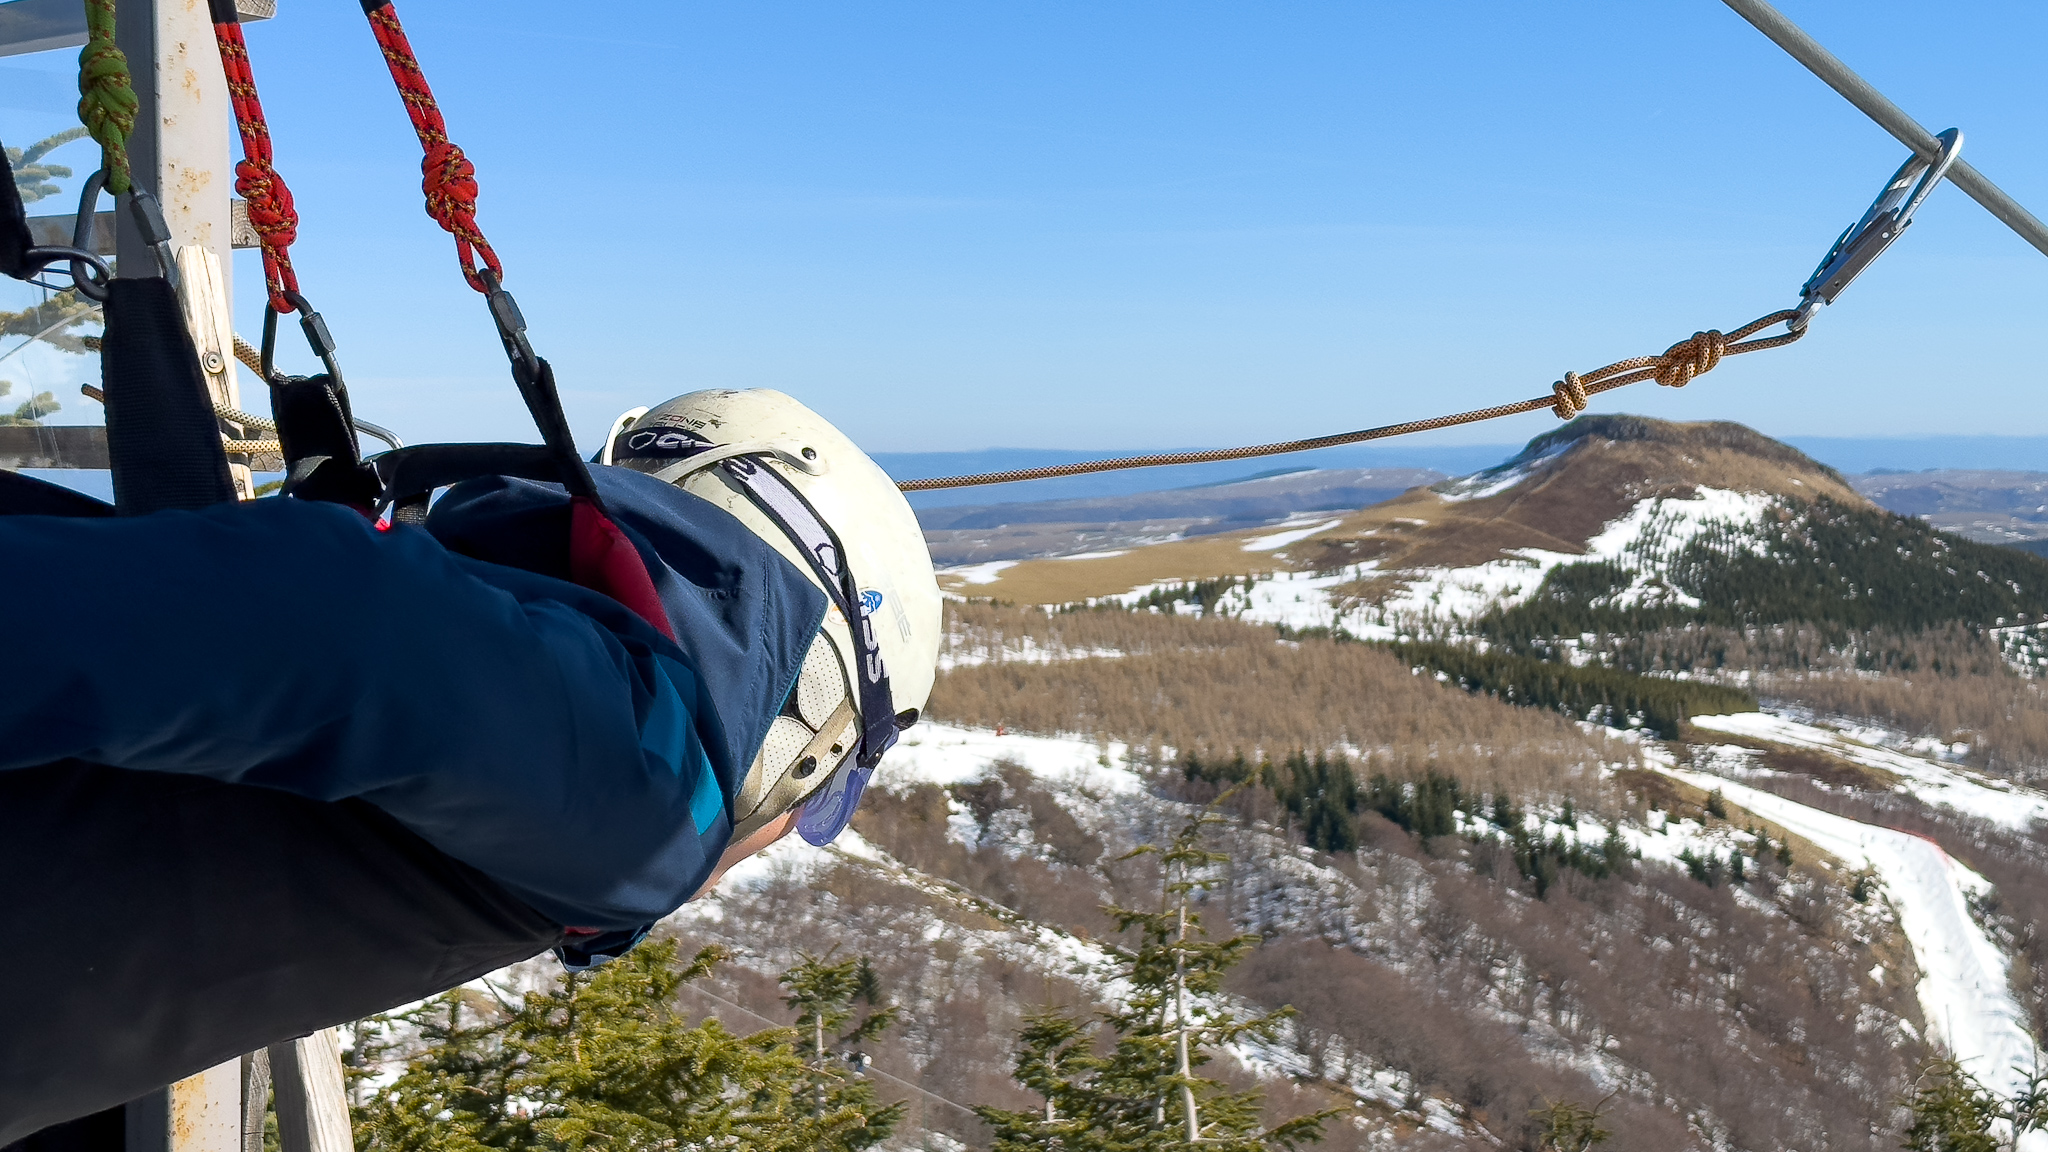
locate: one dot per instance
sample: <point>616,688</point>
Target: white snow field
<point>1640,540</point>
<point>1295,530</point>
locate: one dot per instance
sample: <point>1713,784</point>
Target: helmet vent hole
<point>810,453</point>
<point>806,766</point>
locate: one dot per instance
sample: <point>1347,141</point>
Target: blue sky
<point>952,226</point>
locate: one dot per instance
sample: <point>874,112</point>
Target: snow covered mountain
<point>1611,524</point>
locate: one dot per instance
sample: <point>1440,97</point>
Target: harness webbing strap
<point>15,240</point>
<point>162,438</point>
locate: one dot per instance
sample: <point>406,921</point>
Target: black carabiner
<point>1885,222</point>
<point>89,273</point>
<point>536,380</point>
<point>317,337</point>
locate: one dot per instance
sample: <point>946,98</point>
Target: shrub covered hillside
<point>1482,913</point>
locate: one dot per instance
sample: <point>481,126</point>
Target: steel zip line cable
<point>1889,116</point>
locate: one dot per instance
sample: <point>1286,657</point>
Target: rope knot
<point>1690,358</point>
<point>107,102</point>
<point>271,211</point>
<point>451,188</point>
<point>1568,396</point>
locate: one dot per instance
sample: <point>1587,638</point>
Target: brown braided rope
<point>1679,365</point>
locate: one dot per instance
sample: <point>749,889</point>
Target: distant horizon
<point>1852,455</point>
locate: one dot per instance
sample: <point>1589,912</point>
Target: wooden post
<point>179,154</point>
<point>312,1107</point>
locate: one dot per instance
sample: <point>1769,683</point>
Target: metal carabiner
<point>317,338</point>
<point>1866,240</point>
<point>149,221</point>
<point>89,273</point>
<point>511,325</point>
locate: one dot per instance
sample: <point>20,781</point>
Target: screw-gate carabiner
<point>1866,240</point>
<point>317,338</point>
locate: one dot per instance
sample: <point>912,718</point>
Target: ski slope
<point>1963,989</point>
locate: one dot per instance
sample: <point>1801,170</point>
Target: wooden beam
<point>45,25</point>
<point>57,229</point>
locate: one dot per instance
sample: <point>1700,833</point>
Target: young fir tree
<point>30,412</point>
<point>602,1061</point>
<point>824,996</point>
<point>1951,1111</point>
<point>31,176</point>
<point>1144,1094</point>
<point>1563,1126</point>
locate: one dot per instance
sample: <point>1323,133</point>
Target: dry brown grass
<point>1217,687</point>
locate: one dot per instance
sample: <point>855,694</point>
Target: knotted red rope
<point>271,212</point>
<point>449,179</point>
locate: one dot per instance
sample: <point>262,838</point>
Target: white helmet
<point>802,486</point>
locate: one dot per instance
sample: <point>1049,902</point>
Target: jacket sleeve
<point>530,728</point>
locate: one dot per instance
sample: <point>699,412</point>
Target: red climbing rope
<point>271,212</point>
<point>449,177</point>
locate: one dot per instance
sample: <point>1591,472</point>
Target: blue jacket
<point>453,677</point>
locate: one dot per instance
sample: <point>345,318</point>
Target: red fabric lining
<point>603,560</point>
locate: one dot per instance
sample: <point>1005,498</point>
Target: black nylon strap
<point>418,469</point>
<point>775,496</point>
<point>14,238</point>
<point>162,438</point>
<point>314,420</point>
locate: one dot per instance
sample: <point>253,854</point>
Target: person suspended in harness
<point>270,766</point>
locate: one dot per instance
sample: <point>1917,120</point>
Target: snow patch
<point>984,573</point>
<point>943,754</point>
<point>1292,534</point>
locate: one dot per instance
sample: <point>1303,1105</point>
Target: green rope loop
<point>107,103</point>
